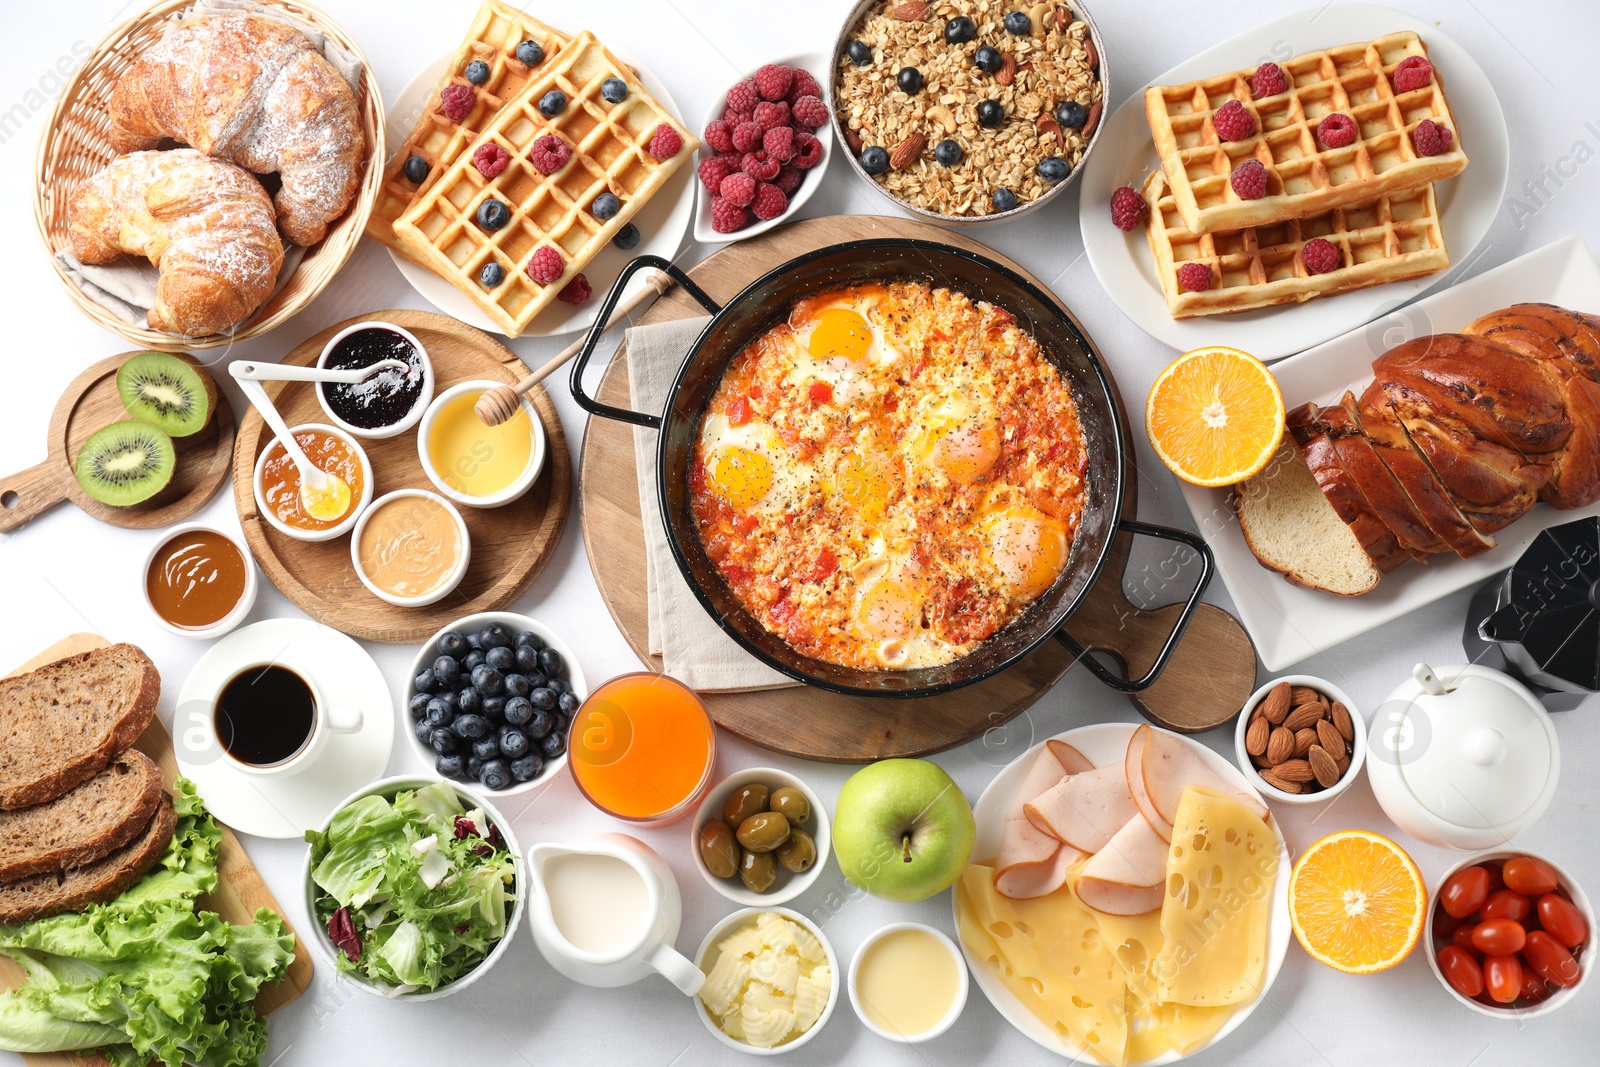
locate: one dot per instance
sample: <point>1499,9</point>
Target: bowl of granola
<point>967,110</point>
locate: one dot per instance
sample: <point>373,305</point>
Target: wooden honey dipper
<point>500,403</point>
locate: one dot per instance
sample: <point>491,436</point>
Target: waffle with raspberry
<point>1394,237</point>
<point>496,32</point>
<point>546,198</point>
<point>1304,176</point>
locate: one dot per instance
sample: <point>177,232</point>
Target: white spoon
<point>325,496</point>
<point>244,370</point>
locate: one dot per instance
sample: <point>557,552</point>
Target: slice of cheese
<point>1051,957</point>
<point>1215,919</point>
<point>1156,1029</point>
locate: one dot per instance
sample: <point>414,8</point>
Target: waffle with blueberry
<point>557,174</point>
<point>502,55</point>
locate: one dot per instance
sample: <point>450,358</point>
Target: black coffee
<point>265,715</point>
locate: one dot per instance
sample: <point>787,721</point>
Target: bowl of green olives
<point>760,837</point>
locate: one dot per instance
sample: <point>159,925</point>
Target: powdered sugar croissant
<point>206,225</point>
<point>257,93</point>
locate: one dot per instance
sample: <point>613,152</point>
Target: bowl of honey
<point>198,581</point>
<point>473,464</point>
<point>411,548</point>
<point>389,402</point>
<point>642,748</point>
<point>277,483</point>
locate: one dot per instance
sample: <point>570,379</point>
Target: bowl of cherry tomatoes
<point>1511,933</point>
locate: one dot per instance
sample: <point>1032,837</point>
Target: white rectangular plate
<point>1289,623</point>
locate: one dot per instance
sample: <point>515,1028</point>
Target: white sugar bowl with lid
<point>1462,757</point>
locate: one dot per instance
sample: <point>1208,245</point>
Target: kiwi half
<point>171,392</point>
<point>126,463</point>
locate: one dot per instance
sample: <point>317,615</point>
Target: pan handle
<point>603,316</point>
<point>1207,567</point>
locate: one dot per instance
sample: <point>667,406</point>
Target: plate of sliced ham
<point>1092,812</point>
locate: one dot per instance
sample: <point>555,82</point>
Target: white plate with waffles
<point>1288,622</point>
<point>662,223</point>
<point>1467,204</point>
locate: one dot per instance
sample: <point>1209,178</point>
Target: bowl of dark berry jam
<point>389,402</point>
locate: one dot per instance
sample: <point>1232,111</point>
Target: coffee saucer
<point>286,805</point>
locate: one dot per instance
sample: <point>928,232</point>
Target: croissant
<point>207,226</point>
<point>257,93</point>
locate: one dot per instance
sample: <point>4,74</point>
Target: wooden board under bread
<point>239,894</point>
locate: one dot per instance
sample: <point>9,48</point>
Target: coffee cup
<point>271,720</point>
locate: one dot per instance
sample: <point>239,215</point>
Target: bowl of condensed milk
<point>411,548</point>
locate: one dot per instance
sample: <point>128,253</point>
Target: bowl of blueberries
<point>490,701</point>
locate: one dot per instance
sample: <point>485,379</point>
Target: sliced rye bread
<point>83,824</point>
<point>49,894</point>
<point>1380,543</point>
<point>1292,528</point>
<point>64,723</point>
<point>1394,448</point>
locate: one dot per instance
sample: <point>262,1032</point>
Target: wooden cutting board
<point>1209,677</point>
<point>90,403</point>
<point>510,544</point>
<point>240,892</point>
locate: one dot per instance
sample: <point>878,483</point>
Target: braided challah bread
<point>257,93</point>
<point>205,224</point>
<point>1457,436</point>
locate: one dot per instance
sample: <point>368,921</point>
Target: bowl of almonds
<point>1300,740</point>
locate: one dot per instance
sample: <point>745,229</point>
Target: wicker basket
<point>76,144</point>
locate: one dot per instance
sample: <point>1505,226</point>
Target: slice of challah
<point>1292,528</point>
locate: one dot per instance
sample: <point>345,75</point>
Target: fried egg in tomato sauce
<point>889,476</point>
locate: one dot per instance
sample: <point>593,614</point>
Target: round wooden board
<point>1210,675</point>
<point>510,544</point>
<point>90,403</point>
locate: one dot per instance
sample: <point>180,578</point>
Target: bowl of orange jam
<point>277,482</point>
<point>642,748</point>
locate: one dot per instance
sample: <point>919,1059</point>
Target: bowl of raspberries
<point>763,149</point>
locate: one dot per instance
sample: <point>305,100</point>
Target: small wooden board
<point>240,892</point>
<point>91,403</point>
<point>510,544</point>
<point>1208,679</point>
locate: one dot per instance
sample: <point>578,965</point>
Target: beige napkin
<point>693,648</point>
<point>127,287</point>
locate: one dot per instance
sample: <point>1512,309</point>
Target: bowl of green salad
<point>416,885</point>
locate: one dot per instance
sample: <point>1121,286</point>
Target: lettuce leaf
<point>147,975</point>
<point>426,905</point>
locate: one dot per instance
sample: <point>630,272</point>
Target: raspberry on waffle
<point>1394,237</point>
<point>1352,79</point>
<point>610,153</point>
<point>496,31</point>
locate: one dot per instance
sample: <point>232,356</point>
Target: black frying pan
<point>766,301</point>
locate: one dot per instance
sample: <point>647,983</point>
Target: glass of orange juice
<point>642,748</point>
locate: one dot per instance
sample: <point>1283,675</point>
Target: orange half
<point>1215,416</point>
<point>1357,902</point>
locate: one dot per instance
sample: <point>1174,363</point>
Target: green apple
<point>902,830</point>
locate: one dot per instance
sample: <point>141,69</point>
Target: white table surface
<point>66,572</point>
